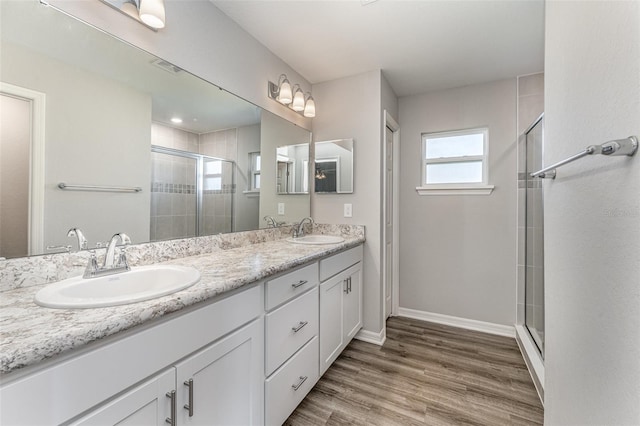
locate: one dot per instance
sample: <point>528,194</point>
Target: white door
<point>224,383</point>
<point>388,222</point>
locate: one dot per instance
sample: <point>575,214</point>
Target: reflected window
<point>213,175</point>
<point>254,171</point>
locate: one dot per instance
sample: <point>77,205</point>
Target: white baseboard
<point>372,336</point>
<point>469,324</point>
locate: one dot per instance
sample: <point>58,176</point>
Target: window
<point>254,171</point>
<point>212,175</point>
<point>455,163</point>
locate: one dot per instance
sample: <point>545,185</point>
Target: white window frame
<point>480,188</point>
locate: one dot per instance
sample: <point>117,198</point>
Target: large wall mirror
<point>139,145</point>
<point>334,167</point>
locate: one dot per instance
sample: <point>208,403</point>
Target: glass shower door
<point>534,250</point>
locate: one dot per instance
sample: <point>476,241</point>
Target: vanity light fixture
<point>310,107</point>
<point>152,13</point>
<point>298,99</point>
<point>294,97</point>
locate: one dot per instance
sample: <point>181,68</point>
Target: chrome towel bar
<point>70,187</point>
<point>627,146</point>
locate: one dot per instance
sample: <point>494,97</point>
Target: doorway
<point>21,171</point>
<point>390,275</point>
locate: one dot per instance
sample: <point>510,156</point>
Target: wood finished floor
<point>425,374</point>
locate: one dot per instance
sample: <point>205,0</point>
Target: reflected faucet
<point>82,241</point>
<point>299,231</point>
<point>271,222</point>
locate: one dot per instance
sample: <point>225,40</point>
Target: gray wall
<point>81,109</point>
<point>247,207</point>
<point>457,252</point>
<point>360,119</point>
<point>275,132</point>
<point>592,215</point>
<point>204,41</point>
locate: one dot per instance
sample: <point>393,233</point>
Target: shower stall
<point>534,237</point>
<point>191,194</point>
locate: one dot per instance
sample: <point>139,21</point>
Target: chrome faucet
<point>82,241</point>
<point>111,249</point>
<point>299,230</point>
<point>109,266</point>
<point>271,222</point>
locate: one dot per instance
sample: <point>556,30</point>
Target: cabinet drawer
<point>289,327</point>
<point>339,262</point>
<point>287,286</point>
<point>290,384</point>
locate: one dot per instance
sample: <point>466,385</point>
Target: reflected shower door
<point>534,250</point>
<point>174,202</point>
<point>217,196</point>
<point>191,194</point>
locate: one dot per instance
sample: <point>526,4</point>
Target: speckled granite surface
<point>30,333</point>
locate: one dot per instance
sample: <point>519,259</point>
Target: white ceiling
<point>421,45</point>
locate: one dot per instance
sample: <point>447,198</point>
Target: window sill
<point>455,190</point>
<point>251,194</point>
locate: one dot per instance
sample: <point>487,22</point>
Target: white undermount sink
<point>138,284</point>
<point>316,239</point>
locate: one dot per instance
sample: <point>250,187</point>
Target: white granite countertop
<point>30,334</point>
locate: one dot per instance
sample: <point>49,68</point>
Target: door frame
<point>393,125</point>
<point>36,163</point>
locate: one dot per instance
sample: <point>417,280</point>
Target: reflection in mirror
<point>105,104</point>
<point>284,193</point>
<point>334,166</point>
<point>292,169</point>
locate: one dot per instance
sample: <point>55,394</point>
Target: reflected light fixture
<point>176,120</point>
<point>320,174</point>
<point>294,97</point>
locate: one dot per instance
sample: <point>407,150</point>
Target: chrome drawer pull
<point>172,420</point>
<point>189,406</point>
<point>297,385</point>
<point>299,327</point>
<point>299,283</point>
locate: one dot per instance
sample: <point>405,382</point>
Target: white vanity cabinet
<point>219,345</point>
<point>340,303</point>
<point>218,385</point>
<point>291,341</point>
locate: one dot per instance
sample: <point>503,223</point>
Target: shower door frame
<point>200,179</point>
<point>540,120</point>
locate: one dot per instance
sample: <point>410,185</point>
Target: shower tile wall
<point>173,185</point>
<point>530,106</point>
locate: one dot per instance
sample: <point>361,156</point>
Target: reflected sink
<point>138,284</point>
<point>316,239</point>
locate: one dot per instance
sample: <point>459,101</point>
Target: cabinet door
<point>146,404</point>
<point>227,381</point>
<point>353,303</point>
<point>331,320</point>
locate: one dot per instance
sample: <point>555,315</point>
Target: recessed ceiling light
<point>176,120</point>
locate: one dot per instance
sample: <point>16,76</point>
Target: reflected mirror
<point>334,166</point>
<point>141,146</point>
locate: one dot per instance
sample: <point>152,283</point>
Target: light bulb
<point>152,13</point>
<point>310,108</point>
<point>285,92</point>
<point>298,101</point>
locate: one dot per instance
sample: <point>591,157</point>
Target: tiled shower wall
<point>530,106</point>
<point>173,185</point>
